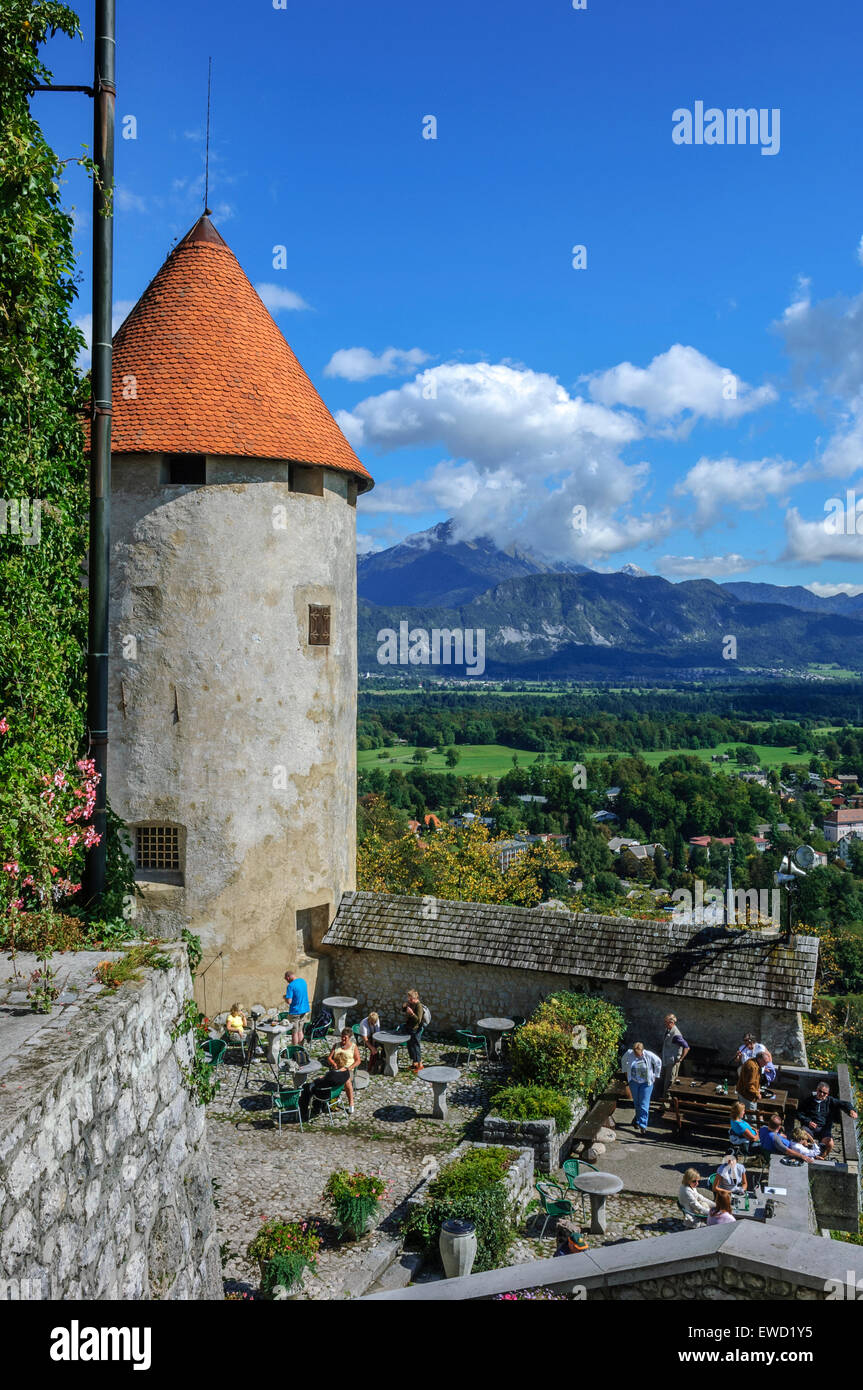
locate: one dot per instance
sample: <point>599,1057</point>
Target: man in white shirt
<point>642,1070</point>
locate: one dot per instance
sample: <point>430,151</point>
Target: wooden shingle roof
<point>741,967</point>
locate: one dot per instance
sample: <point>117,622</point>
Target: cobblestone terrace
<point>261,1174</point>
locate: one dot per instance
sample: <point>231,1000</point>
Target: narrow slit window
<point>158,848</point>
<point>319,625</point>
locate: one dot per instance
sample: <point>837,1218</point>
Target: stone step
<point>400,1273</point>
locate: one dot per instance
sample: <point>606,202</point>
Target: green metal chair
<point>215,1049</point>
<point>572,1167</point>
<point>314,1032</point>
<point>293,1052</point>
<point>554,1204</point>
<point>287,1102</point>
<point>469,1043</point>
<point>326,1098</point>
<point>691,1218</point>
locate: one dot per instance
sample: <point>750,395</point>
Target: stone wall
<point>747,1261</point>
<point>458,993</point>
<point>550,1147</point>
<point>517,1180</point>
<point>224,720</point>
<point>105,1189</point>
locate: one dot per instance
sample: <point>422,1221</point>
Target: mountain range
<point>548,620</point>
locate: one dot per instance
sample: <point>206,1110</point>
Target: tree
<point>453,757</point>
<point>420,755</point>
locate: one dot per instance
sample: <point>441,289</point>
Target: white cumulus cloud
<point>276,298</point>
<point>704,566</point>
<point>717,484</point>
<point>359,363</point>
<point>679,383</point>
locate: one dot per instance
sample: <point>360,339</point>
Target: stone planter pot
<point>457,1245</point>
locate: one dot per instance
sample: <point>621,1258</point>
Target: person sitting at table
<point>722,1209</point>
<point>730,1175</point>
<point>749,1084</point>
<point>696,1205</point>
<point>313,1090</point>
<point>749,1049</point>
<point>741,1133</point>
<point>819,1111</point>
<point>802,1145</point>
<point>345,1057</point>
<point>370,1025</point>
<point>236,1024</point>
<point>642,1070</point>
<point>774,1141</point>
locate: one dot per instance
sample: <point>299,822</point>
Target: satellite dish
<point>804,856</point>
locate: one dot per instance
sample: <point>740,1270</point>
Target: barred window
<point>319,625</point>
<point>158,847</point>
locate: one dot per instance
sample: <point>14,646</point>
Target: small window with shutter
<point>319,625</point>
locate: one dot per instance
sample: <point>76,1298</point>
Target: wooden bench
<point>599,1114</point>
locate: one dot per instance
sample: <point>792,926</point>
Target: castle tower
<point>233,627</point>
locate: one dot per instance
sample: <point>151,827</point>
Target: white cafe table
<point>339,1003</point>
<point>495,1027</point>
<point>272,1032</point>
<point>391,1042</point>
<point>439,1078</point>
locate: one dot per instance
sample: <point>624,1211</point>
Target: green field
<point>494,759</point>
<point>476,760</point>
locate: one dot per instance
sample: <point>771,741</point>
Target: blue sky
<point>690,401</point>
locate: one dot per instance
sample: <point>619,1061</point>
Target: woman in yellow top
<point>345,1058</point>
<point>235,1024</point>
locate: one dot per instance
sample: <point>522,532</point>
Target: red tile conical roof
<point>212,372</point>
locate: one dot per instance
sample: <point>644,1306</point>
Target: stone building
<point>233,626</point>
<point>470,960</point>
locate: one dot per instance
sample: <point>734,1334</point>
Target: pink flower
<point>28,881</point>
<point>11,866</point>
<point>90,837</point>
<point>4,727</point>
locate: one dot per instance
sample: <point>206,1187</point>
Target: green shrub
<point>533,1103</point>
<point>469,1190</point>
<point>542,1051</point>
<point>474,1171</point>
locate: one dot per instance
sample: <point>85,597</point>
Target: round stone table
<point>495,1027</point>
<point>339,1003</point>
<point>271,1033</point>
<point>391,1042</point>
<point>439,1078</point>
<point>307,1072</point>
<point>598,1186</point>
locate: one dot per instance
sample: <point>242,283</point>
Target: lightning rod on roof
<point>207,147</point>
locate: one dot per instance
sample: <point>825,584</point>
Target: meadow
<point>494,759</point>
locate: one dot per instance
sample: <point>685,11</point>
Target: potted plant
<point>354,1198</point>
<point>283,1250</point>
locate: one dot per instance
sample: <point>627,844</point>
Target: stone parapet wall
<point>105,1188</point>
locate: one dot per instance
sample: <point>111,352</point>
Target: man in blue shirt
<point>773,1141</point>
<point>297,1000</point>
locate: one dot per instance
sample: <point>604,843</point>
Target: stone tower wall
<point>223,720</point>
